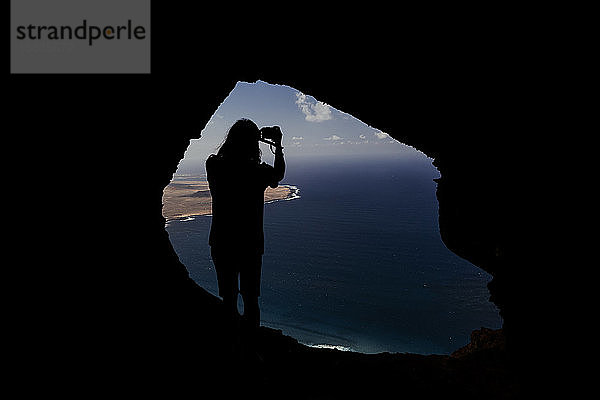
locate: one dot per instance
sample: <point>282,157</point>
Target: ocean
<point>356,261</point>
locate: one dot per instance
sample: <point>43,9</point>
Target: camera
<point>271,135</point>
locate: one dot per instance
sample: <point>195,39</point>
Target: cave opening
<point>353,256</point>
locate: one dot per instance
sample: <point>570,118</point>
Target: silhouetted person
<point>237,181</point>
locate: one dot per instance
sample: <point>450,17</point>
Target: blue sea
<point>356,262</point>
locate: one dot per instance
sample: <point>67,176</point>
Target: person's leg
<point>250,290</point>
<point>228,284</point>
<point>230,302</point>
<point>251,311</point>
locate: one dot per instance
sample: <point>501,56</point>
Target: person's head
<point>241,142</point>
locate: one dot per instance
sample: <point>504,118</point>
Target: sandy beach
<point>188,196</point>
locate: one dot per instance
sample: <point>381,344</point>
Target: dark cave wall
<point>455,100</point>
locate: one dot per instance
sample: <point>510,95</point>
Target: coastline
<point>292,194</point>
<point>318,339</point>
<point>187,197</point>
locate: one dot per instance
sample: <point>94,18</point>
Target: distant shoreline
<point>189,196</point>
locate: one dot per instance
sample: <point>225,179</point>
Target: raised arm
<point>277,172</point>
<point>279,163</point>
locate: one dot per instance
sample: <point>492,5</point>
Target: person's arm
<point>277,171</point>
<point>279,163</point>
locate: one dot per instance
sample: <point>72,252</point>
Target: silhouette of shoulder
<point>212,165</point>
<point>212,159</point>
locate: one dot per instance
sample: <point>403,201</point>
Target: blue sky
<point>310,128</point>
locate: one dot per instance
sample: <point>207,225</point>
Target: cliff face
<point>117,292</point>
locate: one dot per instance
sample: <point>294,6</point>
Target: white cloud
<point>297,138</point>
<point>381,135</point>
<point>313,112</point>
<point>333,138</point>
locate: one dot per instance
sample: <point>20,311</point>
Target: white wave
<point>294,192</point>
<point>169,222</point>
<point>292,196</point>
<point>330,347</point>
